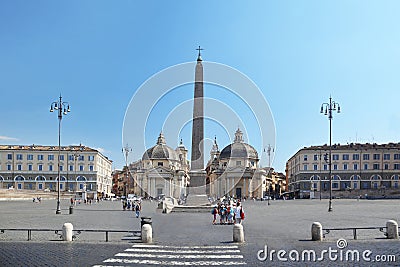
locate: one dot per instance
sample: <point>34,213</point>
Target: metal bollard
<point>238,234</point>
<point>316,231</point>
<point>392,229</point>
<point>147,233</point>
<point>67,231</point>
<point>71,209</point>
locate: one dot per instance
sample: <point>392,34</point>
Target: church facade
<point>162,171</point>
<point>235,171</point>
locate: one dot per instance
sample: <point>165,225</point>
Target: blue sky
<point>97,53</point>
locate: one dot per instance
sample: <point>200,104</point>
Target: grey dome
<point>160,151</point>
<point>238,150</point>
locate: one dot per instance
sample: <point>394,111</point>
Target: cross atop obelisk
<point>199,56</point>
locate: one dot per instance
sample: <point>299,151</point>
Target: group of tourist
<point>135,205</point>
<point>229,212</point>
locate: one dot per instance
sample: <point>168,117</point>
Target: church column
<point>244,187</point>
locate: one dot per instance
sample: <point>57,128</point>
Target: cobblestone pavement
<point>283,225</point>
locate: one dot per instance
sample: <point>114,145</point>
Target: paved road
<point>181,238</point>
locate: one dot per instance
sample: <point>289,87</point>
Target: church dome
<point>160,151</point>
<point>238,149</point>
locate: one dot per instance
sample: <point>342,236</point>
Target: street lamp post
<point>327,109</point>
<point>76,155</point>
<point>63,109</point>
<point>269,174</point>
<point>126,150</point>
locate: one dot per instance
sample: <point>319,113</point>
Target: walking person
<point>137,209</point>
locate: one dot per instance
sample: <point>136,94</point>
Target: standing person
<point>239,213</point>
<point>214,212</point>
<point>231,214</point>
<point>137,209</point>
<point>222,213</point>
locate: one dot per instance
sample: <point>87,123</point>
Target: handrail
<point>380,228</point>
<point>77,232</point>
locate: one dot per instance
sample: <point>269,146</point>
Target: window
<point>9,156</point>
<point>160,164</point>
<point>61,157</point>
<point>355,166</point>
<point>365,156</point>
<point>335,166</point>
<point>80,186</point>
<point>61,186</point>
<point>40,157</point>
<point>19,167</point>
<point>81,168</point>
<point>305,167</point>
<point>252,163</point>
<point>30,167</point>
<point>315,157</point>
<point>356,157</point>
<point>376,166</point>
<point>71,157</point>
<point>51,168</point>
<point>377,156</point>
<point>305,158</point>
<point>40,167</point>
<point>91,158</point>
<point>386,156</point>
<point>19,157</point>
<point>345,157</point>
<point>325,167</point>
<point>386,166</point>
<point>71,168</point>
<point>335,185</point>
<point>396,156</point>
<point>315,167</point>
<point>345,166</point>
<point>81,157</point>
<point>61,168</point>
<point>335,157</point>
<point>396,166</point>
<point>40,186</point>
<point>366,166</point>
<point>29,157</point>
<point>50,157</point>
<point>355,185</point>
<point>9,167</point>
<point>91,168</point>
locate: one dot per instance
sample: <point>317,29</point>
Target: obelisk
<point>197,172</point>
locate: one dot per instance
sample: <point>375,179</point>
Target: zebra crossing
<point>144,254</point>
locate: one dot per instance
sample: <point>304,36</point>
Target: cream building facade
<point>235,171</point>
<point>357,169</point>
<point>162,171</point>
<point>34,167</point>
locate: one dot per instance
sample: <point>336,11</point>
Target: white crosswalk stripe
<point>143,254</point>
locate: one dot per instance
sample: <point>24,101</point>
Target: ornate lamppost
<point>126,150</point>
<point>268,149</point>
<point>327,109</point>
<point>63,109</point>
<point>76,155</point>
